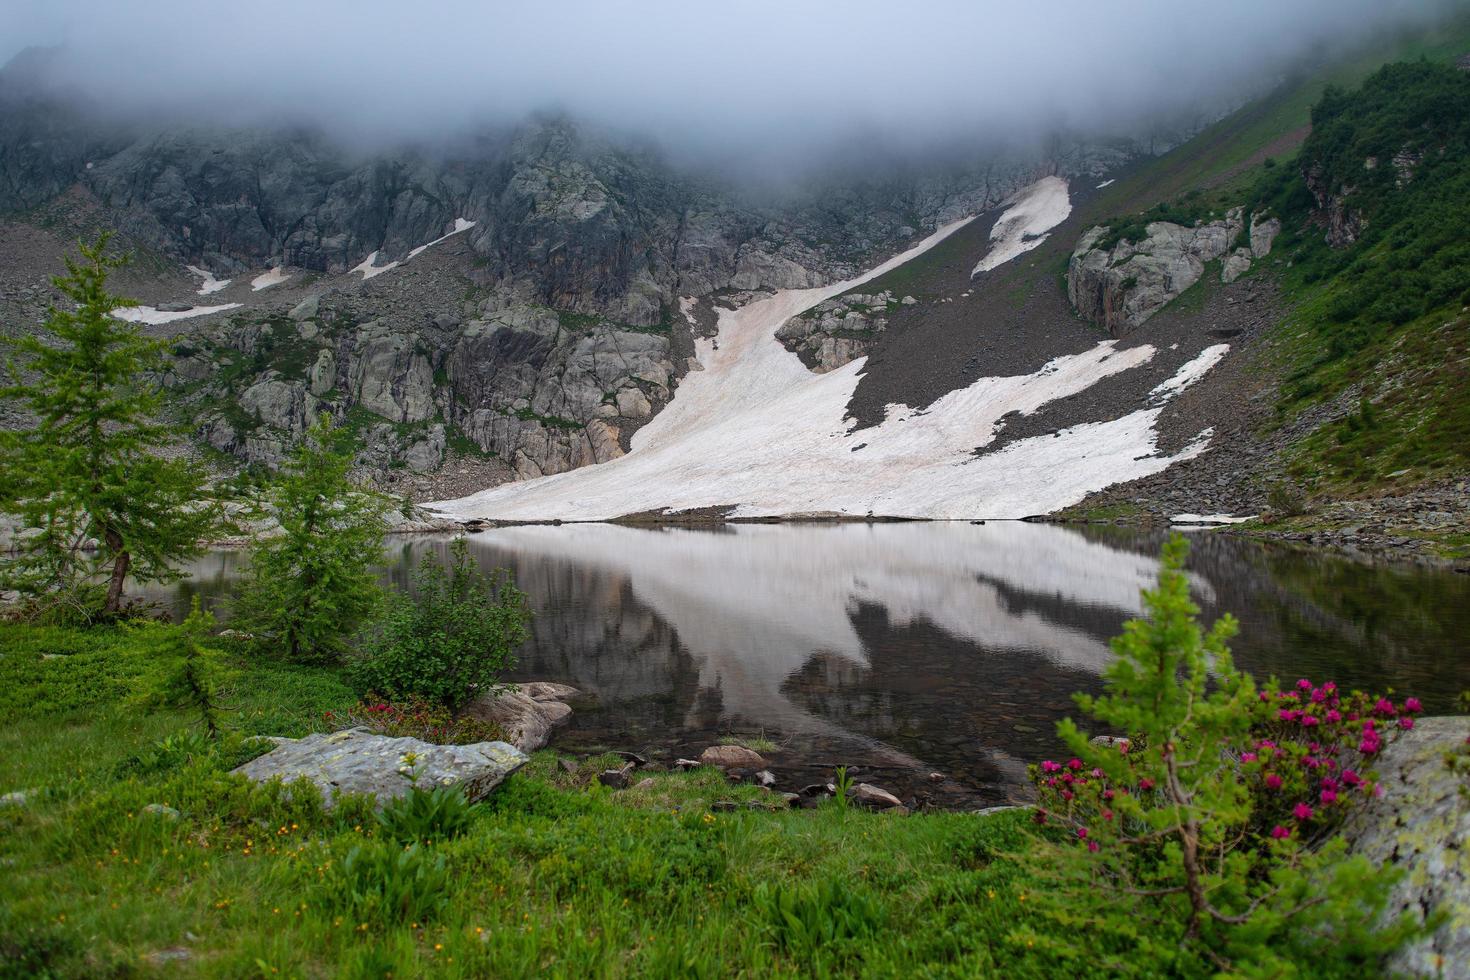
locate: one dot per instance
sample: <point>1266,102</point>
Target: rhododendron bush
<point>1204,841</point>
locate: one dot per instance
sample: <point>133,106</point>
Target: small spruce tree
<point>311,588</point>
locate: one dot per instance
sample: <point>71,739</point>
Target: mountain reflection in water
<point>912,647</point>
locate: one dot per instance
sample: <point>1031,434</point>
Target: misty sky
<point>726,74</point>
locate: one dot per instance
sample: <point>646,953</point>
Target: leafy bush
<point>451,638</point>
<point>388,885</point>
<point>416,718</point>
<point>427,815</point>
<point>1195,842</point>
<point>816,924</point>
<point>1286,499</point>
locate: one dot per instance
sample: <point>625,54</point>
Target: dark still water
<point>912,648</point>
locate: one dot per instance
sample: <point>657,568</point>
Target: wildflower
<point>1406,723</point>
<point>1329,796</point>
<point>1302,812</point>
<point>1412,706</point>
<point>1273,781</point>
<point>1082,833</point>
<point>1304,685</point>
<point>1074,764</point>
<point>1092,846</point>
<point>1308,721</point>
<point>1318,696</point>
<point>1333,715</point>
<point>1049,766</point>
<point>1279,832</point>
<point>1288,714</point>
<point>1385,707</point>
<point>1351,778</point>
<point>1248,757</point>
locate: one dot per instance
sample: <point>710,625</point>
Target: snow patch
<point>757,432</point>
<point>460,224</point>
<point>1106,183</point>
<point>269,278</point>
<point>368,269</point>
<point>209,284</point>
<point>1036,210</point>
<point>1191,372</point>
<point>154,317</point>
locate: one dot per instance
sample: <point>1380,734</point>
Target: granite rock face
<point>1120,287</point>
<point>838,331</point>
<point>1421,824</point>
<point>526,713</point>
<point>356,761</point>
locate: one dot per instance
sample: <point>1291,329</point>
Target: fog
<point>741,77</point>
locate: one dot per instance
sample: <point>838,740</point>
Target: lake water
<point>911,648</point>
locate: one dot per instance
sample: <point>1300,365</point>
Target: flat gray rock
<point>526,713</point>
<point>357,761</point>
<point>1421,823</point>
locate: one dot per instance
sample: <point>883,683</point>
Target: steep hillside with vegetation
<point>1356,429</point>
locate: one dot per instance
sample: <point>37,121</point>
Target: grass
<point>756,743</point>
<point>555,875</point>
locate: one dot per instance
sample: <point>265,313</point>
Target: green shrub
<point>1197,845</point>
<point>387,885</point>
<point>426,815</point>
<point>449,639</point>
<point>418,718</point>
<point>817,924</point>
<point>1286,499</point>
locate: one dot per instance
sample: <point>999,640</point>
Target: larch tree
<point>97,495</point>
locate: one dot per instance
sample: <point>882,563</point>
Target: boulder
<point>874,796</point>
<point>732,757</point>
<point>1421,823</point>
<point>357,761</point>
<point>306,309</point>
<point>526,713</point>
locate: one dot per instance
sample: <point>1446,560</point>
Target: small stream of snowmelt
<point>755,431</point>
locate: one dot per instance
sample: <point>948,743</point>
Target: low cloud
<point>728,78</point>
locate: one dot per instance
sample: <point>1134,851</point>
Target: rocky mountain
<point>505,304</point>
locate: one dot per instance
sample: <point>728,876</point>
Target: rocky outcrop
<point>526,713</point>
<point>732,757</point>
<point>356,761</point>
<point>1121,284</point>
<point>1421,823</point>
<point>1344,224</point>
<point>839,330</point>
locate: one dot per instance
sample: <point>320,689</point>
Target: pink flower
<point>1406,723</point>
<point>1334,715</point>
<point>1319,695</point>
<point>1385,707</point>
<point>1308,721</point>
<point>1279,832</point>
<point>1068,794</point>
<point>1082,832</point>
<point>1074,764</point>
<point>1329,783</point>
<point>1049,766</point>
<point>1329,796</point>
<point>1039,816</point>
<point>1107,815</point>
<point>1263,696</point>
<point>1413,706</point>
<point>1108,794</point>
<point>1097,774</point>
<point>1265,743</point>
<point>1145,784</point>
<point>1310,762</point>
<point>1303,685</point>
<point>1351,778</point>
<point>1288,714</point>
<point>1302,812</point>
<point>1273,781</point>
<point>1248,757</point>
<point>1092,846</point>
